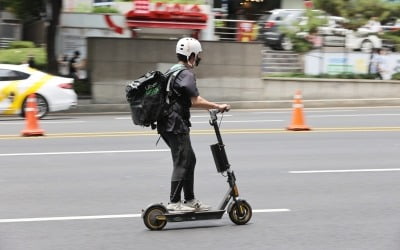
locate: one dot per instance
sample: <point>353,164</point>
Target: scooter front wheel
<point>240,212</point>
<point>154,217</point>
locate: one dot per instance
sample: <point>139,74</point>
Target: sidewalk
<point>86,106</point>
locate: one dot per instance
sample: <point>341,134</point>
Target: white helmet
<point>188,45</point>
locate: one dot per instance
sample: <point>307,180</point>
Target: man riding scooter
<point>174,126</point>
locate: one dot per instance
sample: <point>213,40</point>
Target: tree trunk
<point>54,11</point>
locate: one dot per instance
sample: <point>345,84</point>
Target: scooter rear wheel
<point>151,217</point>
<point>240,213</point>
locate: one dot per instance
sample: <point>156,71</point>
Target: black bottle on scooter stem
<point>156,216</point>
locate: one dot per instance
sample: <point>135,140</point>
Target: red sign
<point>308,4</point>
<point>162,15</point>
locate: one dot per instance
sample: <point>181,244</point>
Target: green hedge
<point>21,44</point>
<point>393,36</point>
<point>104,9</point>
<point>396,76</point>
<point>326,76</point>
<point>19,56</point>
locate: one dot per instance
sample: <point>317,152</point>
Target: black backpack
<point>149,95</point>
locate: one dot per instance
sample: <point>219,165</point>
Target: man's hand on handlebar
<point>224,107</point>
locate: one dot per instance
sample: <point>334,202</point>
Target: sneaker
<point>180,207</point>
<point>196,204</point>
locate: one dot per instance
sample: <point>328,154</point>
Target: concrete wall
<point>292,4</point>
<point>229,72</point>
<point>278,92</point>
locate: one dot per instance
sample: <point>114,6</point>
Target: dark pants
<point>184,161</point>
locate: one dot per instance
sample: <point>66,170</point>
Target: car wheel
<point>42,107</point>
<point>366,46</point>
<point>273,47</point>
<point>286,43</point>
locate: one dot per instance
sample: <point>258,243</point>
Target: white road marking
<point>111,216</point>
<point>277,210</point>
<point>207,116</point>
<point>94,217</point>
<point>193,116</point>
<point>308,111</point>
<point>43,122</point>
<point>86,152</point>
<point>355,115</point>
<point>345,171</point>
<point>248,121</point>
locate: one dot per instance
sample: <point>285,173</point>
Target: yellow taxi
<point>17,82</point>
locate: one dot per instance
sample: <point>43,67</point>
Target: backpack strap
<point>171,79</point>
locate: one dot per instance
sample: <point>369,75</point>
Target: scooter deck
<point>192,216</point>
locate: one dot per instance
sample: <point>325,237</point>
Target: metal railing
<point>235,30</point>
<point>9,32</point>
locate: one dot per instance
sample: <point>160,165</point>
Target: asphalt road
<point>83,185</point>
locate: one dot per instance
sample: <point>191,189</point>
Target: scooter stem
<point>213,122</point>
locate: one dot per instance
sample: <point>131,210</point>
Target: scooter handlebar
<point>214,112</point>
<point>217,111</point>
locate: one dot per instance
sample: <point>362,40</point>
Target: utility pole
<point>53,11</point>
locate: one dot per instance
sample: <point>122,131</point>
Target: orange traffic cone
<point>298,123</point>
<point>32,127</point>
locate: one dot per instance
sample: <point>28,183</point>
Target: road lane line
<point>42,122</point>
<point>208,116</point>
<point>111,216</point>
<point>248,121</point>
<point>277,210</point>
<point>86,152</point>
<point>345,171</point>
<point>354,115</point>
<point>225,121</point>
<point>95,217</point>
<point>308,111</point>
<point>204,132</point>
<point>193,116</point>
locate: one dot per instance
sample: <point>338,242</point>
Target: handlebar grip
<point>213,115</point>
<point>214,111</point>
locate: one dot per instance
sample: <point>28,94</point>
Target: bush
<point>394,37</point>
<point>82,87</point>
<point>298,33</point>
<point>301,45</point>
<point>104,9</point>
<point>20,56</point>
<point>21,44</point>
<point>396,76</point>
<point>327,76</point>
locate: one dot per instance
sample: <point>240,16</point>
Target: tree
<point>359,11</point>
<point>32,10</point>
<point>53,8</point>
<point>333,7</point>
<point>26,10</point>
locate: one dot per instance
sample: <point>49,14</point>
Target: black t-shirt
<point>177,119</point>
<point>72,61</point>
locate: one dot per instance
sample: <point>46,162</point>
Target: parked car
<point>53,93</point>
<point>333,33</point>
<point>272,23</point>
<point>392,25</point>
<point>364,42</point>
<point>363,39</point>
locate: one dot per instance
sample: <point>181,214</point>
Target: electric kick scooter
<point>156,216</point>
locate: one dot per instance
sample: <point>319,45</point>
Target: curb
<point>86,106</point>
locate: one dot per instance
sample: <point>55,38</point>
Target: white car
<point>363,41</point>
<point>335,35</point>
<point>53,93</point>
